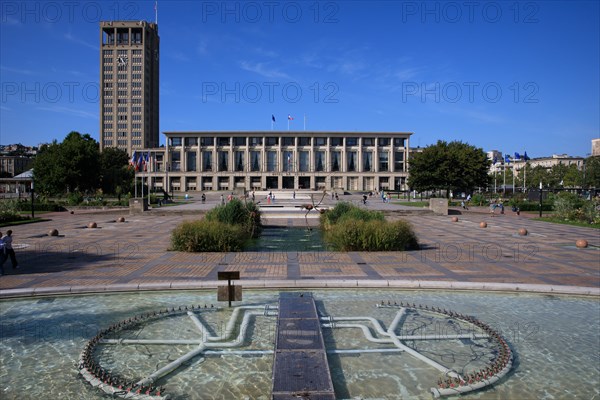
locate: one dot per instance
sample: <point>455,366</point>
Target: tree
<point>116,177</point>
<point>69,166</point>
<point>591,172</point>
<point>450,166</point>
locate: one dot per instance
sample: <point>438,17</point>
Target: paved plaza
<point>134,255</point>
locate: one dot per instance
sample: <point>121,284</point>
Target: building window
<point>287,141</point>
<point>256,141</point>
<point>320,141</point>
<point>176,161</point>
<point>335,161</point>
<point>223,160</point>
<point>320,161</point>
<point>271,161</point>
<point>239,141</point>
<point>223,141</point>
<point>399,161</point>
<point>351,141</point>
<point>191,141</point>
<point>207,141</point>
<point>239,161</point>
<point>351,157</point>
<point>399,142</point>
<point>175,141</point>
<point>272,141</point>
<point>191,161</point>
<point>288,161</point>
<point>367,161</point>
<point>303,141</point>
<point>207,163</point>
<point>384,142</point>
<point>255,161</point>
<point>384,162</point>
<point>335,141</point>
<point>303,161</point>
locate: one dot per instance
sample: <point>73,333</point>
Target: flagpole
<point>513,174</point>
<point>524,175</point>
<point>504,184</point>
<point>304,121</point>
<point>156,12</point>
<point>288,123</point>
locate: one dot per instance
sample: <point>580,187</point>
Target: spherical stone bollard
<point>454,219</point>
<point>581,243</point>
<point>92,225</point>
<point>523,232</point>
<point>483,224</point>
<point>53,232</point>
<point>121,219</point>
<point>72,212</point>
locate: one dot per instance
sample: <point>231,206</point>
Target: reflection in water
<point>554,338</point>
<point>288,239</point>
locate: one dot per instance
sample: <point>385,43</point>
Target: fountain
<point>379,343</point>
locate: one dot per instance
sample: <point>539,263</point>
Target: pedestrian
<point>253,196</point>
<point>2,255</point>
<point>493,206</point>
<point>294,195</point>
<point>222,199</point>
<point>10,252</point>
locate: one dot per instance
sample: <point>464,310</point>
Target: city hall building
<point>274,160</point>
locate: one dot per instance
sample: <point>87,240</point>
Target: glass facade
<point>285,162</point>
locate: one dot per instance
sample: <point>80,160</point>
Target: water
<point>288,239</point>
<point>555,339</point>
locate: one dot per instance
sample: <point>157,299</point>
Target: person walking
<point>10,252</point>
<point>2,255</point>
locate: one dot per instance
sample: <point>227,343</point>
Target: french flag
<point>290,117</point>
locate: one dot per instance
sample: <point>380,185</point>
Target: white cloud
<point>70,111</point>
<point>263,70</point>
<point>73,39</point>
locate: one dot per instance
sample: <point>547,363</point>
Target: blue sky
<point>511,76</point>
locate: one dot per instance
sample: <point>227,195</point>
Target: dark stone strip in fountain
<point>300,367</point>
<point>293,266</point>
<point>371,273</point>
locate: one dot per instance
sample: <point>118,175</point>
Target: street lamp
<point>541,199</point>
<point>32,198</point>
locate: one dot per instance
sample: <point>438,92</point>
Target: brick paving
<point>134,254</point>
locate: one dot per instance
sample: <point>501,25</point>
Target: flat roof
<point>283,132</point>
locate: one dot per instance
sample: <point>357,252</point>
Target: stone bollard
<point>121,219</point>
<point>92,225</point>
<point>581,243</point>
<point>53,232</point>
<point>483,224</point>
<point>523,232</point>
<point>454,219</point>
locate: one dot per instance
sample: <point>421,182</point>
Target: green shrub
<point>535,206</point>
<point>343,211</point>
<point>40,206</point>
<point>478,200</point>
<point>236,212</point>
<point>373,235</point>
<point>9,210</point>
<point>74,198</point>
<point>204,235</point>
<point>572,207</point>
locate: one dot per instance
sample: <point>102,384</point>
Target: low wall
<point>138,205</point>
<point>439,206</point>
